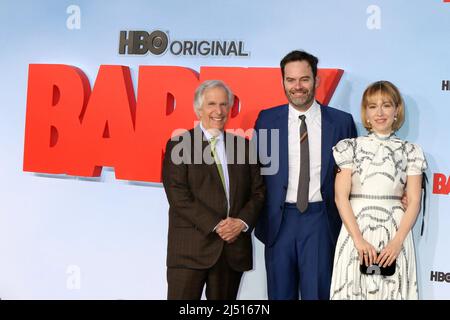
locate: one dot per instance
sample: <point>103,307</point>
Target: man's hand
<point>405,201</point>
<point>229,229</point>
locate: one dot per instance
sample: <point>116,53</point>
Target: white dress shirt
<point>221,153</point>
<point>314,126</point>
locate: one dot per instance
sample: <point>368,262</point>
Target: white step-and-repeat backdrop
<point>66,235</point>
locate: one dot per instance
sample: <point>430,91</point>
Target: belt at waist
<point>314,206</point>
<point>374,197</point>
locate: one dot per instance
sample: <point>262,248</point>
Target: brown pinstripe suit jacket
<point>198,203</point>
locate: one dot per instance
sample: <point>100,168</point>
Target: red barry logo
<point>441,185</point>
<point>73,130</point>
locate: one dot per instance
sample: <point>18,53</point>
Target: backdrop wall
<point>68,237</point>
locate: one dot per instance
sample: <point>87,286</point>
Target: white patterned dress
<point>380,165</point>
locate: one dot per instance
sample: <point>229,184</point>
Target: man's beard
<point>304,101</point>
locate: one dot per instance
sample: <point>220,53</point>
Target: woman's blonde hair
<point>387,90</point>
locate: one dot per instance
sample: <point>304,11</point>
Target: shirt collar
<point>311,114</point>
<point>209,135</point>
<point>381,137</point>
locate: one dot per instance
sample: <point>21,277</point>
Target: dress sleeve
<point>343,153</point>
<point>416,160</point>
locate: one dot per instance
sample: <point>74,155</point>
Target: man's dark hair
<point>298,55</point>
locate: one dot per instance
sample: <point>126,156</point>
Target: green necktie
<point>213,142</point>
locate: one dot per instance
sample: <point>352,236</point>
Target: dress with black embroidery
<point>380,166</point>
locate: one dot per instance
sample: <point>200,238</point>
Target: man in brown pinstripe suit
<point>215,192</point>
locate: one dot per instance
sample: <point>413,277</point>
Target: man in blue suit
<point>299,224</point>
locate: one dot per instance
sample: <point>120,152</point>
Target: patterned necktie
<point>213,142</point>
<point>303,181</point>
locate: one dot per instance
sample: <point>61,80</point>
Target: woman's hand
<point>366,251</point>
<point>389,253</point>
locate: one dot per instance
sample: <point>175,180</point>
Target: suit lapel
<point>200,144</point>
<point>281,123</point>
<point>230,150</point>
<point>328,132</point>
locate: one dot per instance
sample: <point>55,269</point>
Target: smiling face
<point>214,109</point>
<point>299,84</point>
<point>380,113</point>
<point>382,107</point>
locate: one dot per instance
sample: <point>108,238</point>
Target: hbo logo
<point>140,42</point>
<point>439,276</point>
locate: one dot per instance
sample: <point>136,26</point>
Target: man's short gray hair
<point>209,84</point>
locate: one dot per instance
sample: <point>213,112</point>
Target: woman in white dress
<point>374,173</point>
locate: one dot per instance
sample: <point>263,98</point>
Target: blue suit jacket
<point>336,125</point>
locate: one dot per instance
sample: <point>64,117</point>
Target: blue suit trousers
<point>300,262</point>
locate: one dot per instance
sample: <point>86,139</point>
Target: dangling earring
<point>395,118</point>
